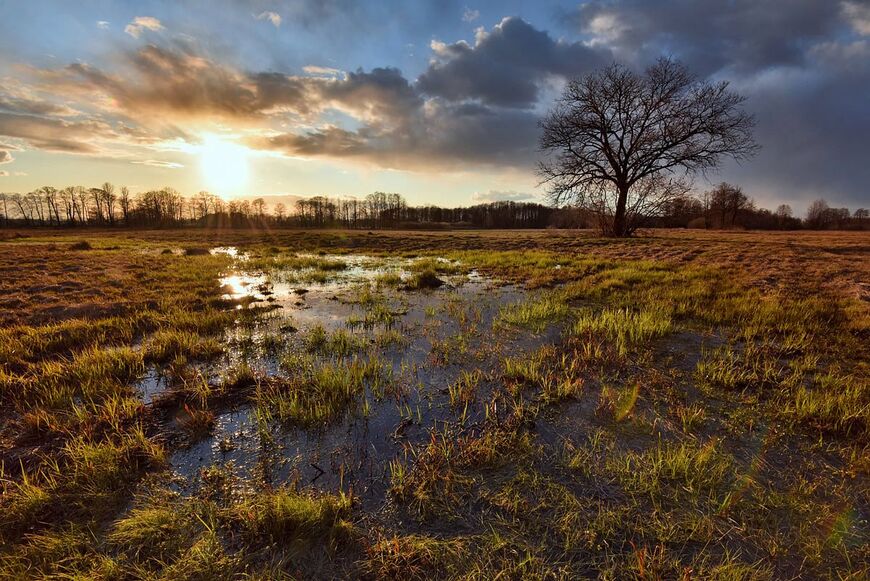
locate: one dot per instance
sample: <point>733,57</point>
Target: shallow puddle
<point>424,339</point>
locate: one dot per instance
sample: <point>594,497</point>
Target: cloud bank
<point>804,66</point>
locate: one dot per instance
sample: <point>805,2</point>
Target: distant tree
<point>623,144</point>
<point>5,199</point>
<point>125,201</point>
<point>81,195</point>
<point>726,201</point>
<point>109,199</point>
<point>259,207</point>
<point>783,216</point>
<point>97,199</point>
<point>280,212</point>
<point>817,214</point>
<point>48,196</point>
<point>201,204</point>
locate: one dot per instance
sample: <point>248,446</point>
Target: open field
<point>193,404</point>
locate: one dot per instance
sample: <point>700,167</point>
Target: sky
<point>437,100</point>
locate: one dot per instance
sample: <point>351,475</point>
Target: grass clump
<point>339,343</point>
<point>535,314</point>
<point>688,468</point>
<point>435,265</point>
<point>624,327</point>
<point>464,390</point>
<point>158,532</point>
<point>444,469</point>
<point>80,245</point>
<point>168,344</point>
<point>834,404</point>
<point>294,519</point>
<point>529,369</point>
<point>728,369</point>
<point>414,557</point>
<point>318,391</point>
<point>388,280</point>
<point>424,279</point>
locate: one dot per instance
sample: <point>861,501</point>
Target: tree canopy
<point>623,144</point>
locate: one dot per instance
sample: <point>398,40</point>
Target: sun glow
<point>224,165</point>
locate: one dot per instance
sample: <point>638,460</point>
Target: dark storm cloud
<point>382,94</point>
<point>440,136</point>
<point>814,124</point>
<point>505,66</point>
<point>711,34</point>
<point>804,66</point>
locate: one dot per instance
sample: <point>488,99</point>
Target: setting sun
<point>224,165</point>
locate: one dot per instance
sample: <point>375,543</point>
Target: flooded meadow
<point>373,407</point>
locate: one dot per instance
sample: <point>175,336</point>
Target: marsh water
<point>425,339</point>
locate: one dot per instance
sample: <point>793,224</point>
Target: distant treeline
<point>725,207</point>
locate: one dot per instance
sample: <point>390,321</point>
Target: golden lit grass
<point>746,463</point>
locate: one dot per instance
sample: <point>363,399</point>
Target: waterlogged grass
<point>423,279</point>
<point>338,343</point>
<point>293,519</point>
<point>625,328</point>
<point>299,269</point>
<point>704,414</point>
<point>164,536</point>
<point>319,391</point>
<point>536,314</point>
<point>166,345</point>
<point>438,477</point>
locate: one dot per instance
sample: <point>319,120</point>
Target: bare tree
<point>125,201</point>
<point>623,143</point>
<point>280,212</point>
<point>109,198</point>
<point>5,199</point>
<point>727,201</point>
<point>817,214</point>
<point>259,207</point>
<point>97,198</point>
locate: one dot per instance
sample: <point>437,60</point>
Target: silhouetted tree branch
<point>623,144</point>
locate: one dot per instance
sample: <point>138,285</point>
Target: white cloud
<point>470,15</point>
<point>6,157</point>
<point>606,27</point>
<point>159,163</point>
<point>322,71</point>
<point>502,196</point>
<point>858,15</point>
<point>272,17</point>
<point>141,23</point>
<point>103,24</point>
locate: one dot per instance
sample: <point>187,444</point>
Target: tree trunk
<point>620,225</point>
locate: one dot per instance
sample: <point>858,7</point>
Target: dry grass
<point>705,412</point>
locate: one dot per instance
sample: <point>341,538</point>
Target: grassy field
<point>196,404</point>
